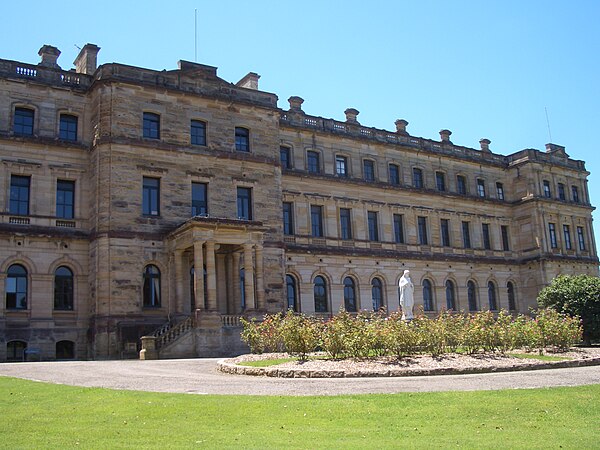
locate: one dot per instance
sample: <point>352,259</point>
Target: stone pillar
<point>230,284</point>
<point>260,288</point>
<point>221,283</point>
<point>179,291</point>
<point>148,350</point>
<point>199,273</point>
<point>249,276</point>
<point>211,276</point>
<point>237,304</point>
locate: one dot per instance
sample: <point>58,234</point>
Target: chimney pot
<point>401,126</point>
<point>445,136</point>
<point>485,144</point>
<point>49,56</point>
<point>296,103</point>
<point>87,59</point>
<point>351,115</point>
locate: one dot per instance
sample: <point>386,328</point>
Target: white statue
<point>407,301</point>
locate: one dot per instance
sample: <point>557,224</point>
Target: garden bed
<point>418,365</point>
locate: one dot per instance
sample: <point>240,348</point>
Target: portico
<point>231,281</point>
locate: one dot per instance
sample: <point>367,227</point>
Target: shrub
<point>576,296</point>
<point>264,336</point>
<point>401,338</point>
<point>334,334</point>
<point>558,331</point>
<point>300,334</point>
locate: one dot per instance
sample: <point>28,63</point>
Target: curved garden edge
<point>230,366</point>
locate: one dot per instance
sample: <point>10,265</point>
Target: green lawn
<point>38,415</point>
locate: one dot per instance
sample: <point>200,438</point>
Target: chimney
<point>49,56</point>
<point>485,145</point>
<point>296,103</point>
<point>401,126</point>
<point>445,136</point>
<point>351,115</point>
<point>250,81</point>
<point>86,61</point>
<point>556,149</point>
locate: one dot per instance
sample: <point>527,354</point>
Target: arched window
<point>427,295</point>
<point>292,293</point>
<point>65,350</point>
<point>471,296</point>
<point>492,296</point>
<point>510,289</point>
<point>450,296</point>
<point>377,294</point>
<point>15,350</point>
<point>320,293</point>
<point>151,287</point>
<point>349,295</point>
<point>16,287</point>
<point>63,289</point>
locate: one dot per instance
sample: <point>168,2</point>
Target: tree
<point>577,295</point>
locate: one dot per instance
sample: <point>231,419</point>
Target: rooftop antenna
<point>195,35</point>
<point>548,123</point>
<point>77,47</point>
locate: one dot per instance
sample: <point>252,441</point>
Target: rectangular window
<point>445,232</point>
<point>440,181</point>
<point>199,199</point>
<point>341,166</point>
<point>481,187</point>
<point>285,157</point>
<point>466,235</point>
<point>244,203</point>
<point>567,235</point>
<point>581,238</point>
<point>500,191</point>
<point>151,126</point>
<point>485,232</point>
<point>65,199</point>
<point>394,174</point>
<point>561,192</point>
<point>417,178</point>
<point>547,192</point>
<point>369,170</point>
<point>399,228</point>
<point>23,122</point>
<point>68,128</point>
<point>504,233</point>
<point>461,185</point>
<point>575,194</point>
<point>552,231</point>
<point>373,226</point>
<point>288,218</point>
<point>19,195</point>
<point>242,139</point>
<point>198,132</point>
<point>313,161</point>
<point>422,230</point>
<point>151,196</point>
<point>316,220</point>
<point>345,223</point>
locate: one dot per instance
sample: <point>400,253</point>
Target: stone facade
<point>361,205</point>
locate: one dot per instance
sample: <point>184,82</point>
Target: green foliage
<point>300,334</point>
<point>367,335</point>
<point>577,295</point>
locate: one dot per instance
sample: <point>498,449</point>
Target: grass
<point>39,415</point>
<point>540,357</point>
<point>267,362</point>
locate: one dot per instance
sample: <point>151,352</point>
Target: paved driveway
<point>199,376</point>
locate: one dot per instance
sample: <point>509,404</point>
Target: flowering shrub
<point>366,335</point>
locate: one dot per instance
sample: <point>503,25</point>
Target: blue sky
<point>479,68</point>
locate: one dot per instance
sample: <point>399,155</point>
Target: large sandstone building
<point>170,203</point>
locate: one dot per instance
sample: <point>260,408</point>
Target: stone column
<point>237,304</point>
<point>230,284</point>
<point>199,273</point>
<point>178,262</point>
<point>260,289</point>
<point>249,276</point>
<point>211,276</point>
